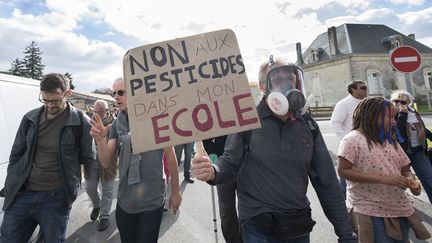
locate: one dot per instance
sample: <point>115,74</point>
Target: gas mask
<point>284,88</point>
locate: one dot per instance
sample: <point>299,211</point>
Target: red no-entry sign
<point>405,59</point>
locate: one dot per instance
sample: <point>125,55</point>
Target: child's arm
<point>414,185</point>
<point>345,170</point>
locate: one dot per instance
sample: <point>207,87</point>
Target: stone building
<point>361,52</point>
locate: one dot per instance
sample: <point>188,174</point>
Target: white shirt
<point>342,116</point>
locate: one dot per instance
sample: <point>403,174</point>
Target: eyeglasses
<point>403,102</point>
<point>54,102</point>
<point>363,87</point>
<point>118,92</point>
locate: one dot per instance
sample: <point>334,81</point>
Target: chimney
<point>299,54</point>
<point>331,32</point>
<point>411,36</point>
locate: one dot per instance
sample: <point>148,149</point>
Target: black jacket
<point>71,155</point>
<point>401,121</point>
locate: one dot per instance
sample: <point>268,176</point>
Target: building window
<point>396,43</point>
<point>374,80</point>
<point>428,78</point>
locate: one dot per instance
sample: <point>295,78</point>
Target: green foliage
<point>31,66</point>
<point>17,68</point>
<point>33,61</point>
<point>67,74</point>
<point>422,108</point>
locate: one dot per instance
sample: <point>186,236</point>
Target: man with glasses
<point>44,170</point>
<point>94,171</point>
<point>141,192</point>
<point>342,116</point>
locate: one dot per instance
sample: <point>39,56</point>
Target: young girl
<point>377,172</point>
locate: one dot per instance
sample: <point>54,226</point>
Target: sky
<point>88,38</point>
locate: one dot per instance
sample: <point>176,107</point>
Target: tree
<point>17,68</point>
<point>67,74</point>
<point>33,61</point>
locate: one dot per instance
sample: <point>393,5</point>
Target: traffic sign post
<point>405,59</point>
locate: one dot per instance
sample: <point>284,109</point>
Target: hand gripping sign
<point>187,89</point>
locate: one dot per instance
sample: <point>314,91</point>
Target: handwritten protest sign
<point>187,89</point>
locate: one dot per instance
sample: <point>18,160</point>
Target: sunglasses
<point>363,87</point>
<point>403,102</point>
<point>118,92</point>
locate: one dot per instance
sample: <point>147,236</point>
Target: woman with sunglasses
<point>414,134</point>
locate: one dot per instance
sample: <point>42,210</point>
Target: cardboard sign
<point>187,89</point>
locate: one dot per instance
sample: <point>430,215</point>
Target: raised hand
<point>98,130</point>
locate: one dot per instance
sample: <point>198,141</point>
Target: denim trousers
<point>139,227</point>
<point>187,147</point>
<point>380,235</point>
<point>228,211</point>
<point>251,234</point>
<point>48,209</point>
<point>423,169</point>
<point>103,201</point>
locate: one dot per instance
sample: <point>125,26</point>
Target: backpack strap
<point>78,130</point>
<point>313,127</point>
<point>247,136</point>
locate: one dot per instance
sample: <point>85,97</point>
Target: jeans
<point>105,202</point>
<point>187,147</point>
<point>139,227</point>
<point>47,209</point>
<point>228,211</point>
<point>379,231</point>
<point>252,234</point>
<point>423,169</point>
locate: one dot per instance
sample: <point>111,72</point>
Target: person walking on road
<point>141,192</point>
<point>377,173</point>
<point>273,165</point>
<point>226,195</point>
<point>342,116</point>
<point>44,171</point>
<point>414,134</point>
<point>187,149</point>
<point>94,172</point>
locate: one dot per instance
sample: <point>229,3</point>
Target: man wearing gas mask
<point>273,164</point>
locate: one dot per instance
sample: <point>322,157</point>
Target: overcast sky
<point>89,38</point>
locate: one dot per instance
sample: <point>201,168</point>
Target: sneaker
<point>94,214</point>
<point>103,224</point>
<point>189,180</point>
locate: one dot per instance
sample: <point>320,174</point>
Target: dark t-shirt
<point>215,145</point>
<point>45,173</point>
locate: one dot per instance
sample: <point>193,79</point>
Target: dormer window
<point>315,55</point>
<point>392,42</point>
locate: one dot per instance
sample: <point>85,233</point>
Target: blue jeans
<point>379,231</point>
<point>251,234</point>
<point>47,209</point>
<point>139,227</point>
<point>423,169</point>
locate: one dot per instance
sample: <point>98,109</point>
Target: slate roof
<point>359,39</point>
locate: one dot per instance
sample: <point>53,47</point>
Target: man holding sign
<point>141,192</point>
<point>272,165</point>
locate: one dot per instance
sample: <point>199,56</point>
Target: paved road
<point>194,221</point>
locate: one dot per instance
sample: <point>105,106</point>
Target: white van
<point>17,96</point>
